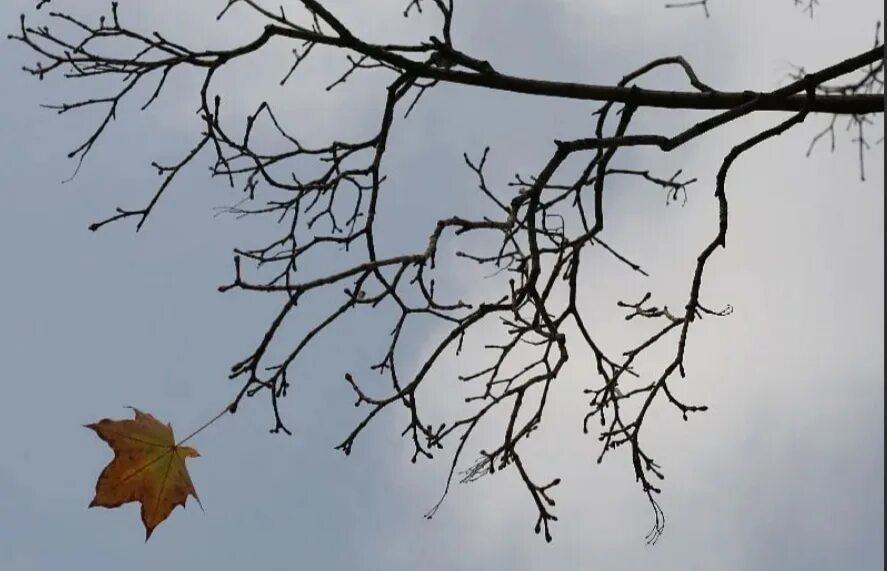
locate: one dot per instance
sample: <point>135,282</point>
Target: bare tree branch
<point>327,199</point>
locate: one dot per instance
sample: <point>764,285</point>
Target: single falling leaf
<point>148,467</point>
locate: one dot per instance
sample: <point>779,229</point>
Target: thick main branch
<point>838,104</point>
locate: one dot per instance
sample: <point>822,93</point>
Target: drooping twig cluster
<point>539,237</point>
<point>867,80</point>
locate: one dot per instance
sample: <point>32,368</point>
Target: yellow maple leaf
<point>148,467</point>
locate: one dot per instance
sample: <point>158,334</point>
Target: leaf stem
<point>206,425</point>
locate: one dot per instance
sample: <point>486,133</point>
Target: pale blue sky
<point>784,472</point>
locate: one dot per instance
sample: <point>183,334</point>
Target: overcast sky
<point>785,471</point>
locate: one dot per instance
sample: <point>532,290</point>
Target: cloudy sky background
<point>784,472</point>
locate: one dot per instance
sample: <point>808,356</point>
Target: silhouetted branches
<point>326,198</point>
<point>866,80</point>
<point>806,5</point>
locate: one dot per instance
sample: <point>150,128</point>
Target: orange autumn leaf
<point>148,467</point>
